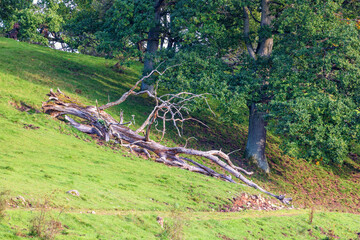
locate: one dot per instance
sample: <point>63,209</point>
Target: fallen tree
<point>169,108</point>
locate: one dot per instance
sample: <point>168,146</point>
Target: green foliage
<point>310,84</point>
<point>316,129</point>
<point>29,21</point>
<point>114,28</point>
<point>315,82</point>
<point>46,14</point>
<point>8,8</point>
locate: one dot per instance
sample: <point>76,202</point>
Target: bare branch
<point>234,151</point>
<point>131,91</point>
<point>147,121</point>
<point>172,104</point>
<point>187,140</point>
<point>82,127</point>
<point>209,170</point>
<point>227,158</point>
<point>121,116</point>
<point>63,105</point>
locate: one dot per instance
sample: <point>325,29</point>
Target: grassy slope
<point>125,191</point>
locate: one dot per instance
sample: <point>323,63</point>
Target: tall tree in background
<point>152,44</point>
<point>302,76</point>
<point>256,142</point>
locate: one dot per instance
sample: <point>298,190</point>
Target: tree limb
<point>103,124</point>
<point>131,91</point>
<point>253,16</point>
<point>247,32</point>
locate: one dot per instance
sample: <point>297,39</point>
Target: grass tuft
<point>3,202</point>
<point>44,225</point>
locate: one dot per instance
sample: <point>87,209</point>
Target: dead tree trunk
<point>168,107</point>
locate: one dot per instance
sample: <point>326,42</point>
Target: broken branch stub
<point>97,121</point>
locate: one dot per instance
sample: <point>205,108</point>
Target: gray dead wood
<point>94,120</point>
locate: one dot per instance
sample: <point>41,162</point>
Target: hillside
<point>121,194</point>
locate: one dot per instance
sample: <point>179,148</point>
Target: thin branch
<point>253,16</point>
<point>131,91</point>
<point>233,151</point>
<point>227,158</point>
<point>187,140</point>
<point>147,134</point>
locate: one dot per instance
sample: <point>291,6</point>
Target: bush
<point>319,129</point>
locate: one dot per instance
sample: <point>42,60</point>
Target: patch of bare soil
<point>224,237</point>
<point>30,126</point>
<point>23,107</point>
<point>254,202</point>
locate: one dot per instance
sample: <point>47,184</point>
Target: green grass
<point>292,224</point>
<point>42,158</point>
<point>39,161</point>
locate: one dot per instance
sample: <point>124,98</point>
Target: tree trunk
<point>266,42</point>
<point>255,147</point>
<point>152,47</point>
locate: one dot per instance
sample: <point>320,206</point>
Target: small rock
<point>74,193</point>
<point>91,212</point>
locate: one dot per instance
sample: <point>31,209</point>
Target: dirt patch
<point>23,107</point>
<point>254,202</point>
<point>30,126</point>
<point>223,236</point>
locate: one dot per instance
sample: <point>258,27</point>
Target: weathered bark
<point>255,147</point>
<point>152,47</point>
<point>97,121</point>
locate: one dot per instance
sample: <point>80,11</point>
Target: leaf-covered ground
<point>42,158</point>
